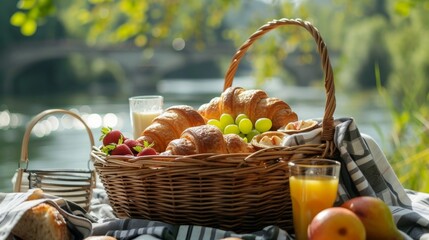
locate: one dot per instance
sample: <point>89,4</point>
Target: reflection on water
<point>60,141</point>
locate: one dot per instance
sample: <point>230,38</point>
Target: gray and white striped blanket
<point>366,171</point>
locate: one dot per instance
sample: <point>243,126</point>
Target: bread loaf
<point>42,222</point>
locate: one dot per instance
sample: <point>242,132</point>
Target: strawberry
<point>121,149</point>
<point>146,149</point>
<point>116,148</point>
<point>110,136</point>
<point>132,144</point>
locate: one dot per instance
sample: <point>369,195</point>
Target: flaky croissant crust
<point>207,139</point>
<point>254,103</point>
<point>169,125</point>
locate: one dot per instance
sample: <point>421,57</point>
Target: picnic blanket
<point>365,171</point>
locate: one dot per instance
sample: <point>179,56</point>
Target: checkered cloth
<point>137,229</point>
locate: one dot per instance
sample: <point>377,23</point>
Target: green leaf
<point>26,4</point>
<point>34,13</point>
<point>97,1</point>
<point>29,27</point>
<point>84,16</point>
<point>18,19</point>
<point>140,40</point>
<point>125,31</point>
<point>403,8</point>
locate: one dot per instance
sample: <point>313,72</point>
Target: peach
<point>336,223</point>
<point>375,216</point>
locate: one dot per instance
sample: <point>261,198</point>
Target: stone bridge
<point>136,69</point>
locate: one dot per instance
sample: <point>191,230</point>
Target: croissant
<point>169,125</point>
<point>207,139</point>
<point>254,103</point>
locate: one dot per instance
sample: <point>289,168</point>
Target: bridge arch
<point>126,63</point>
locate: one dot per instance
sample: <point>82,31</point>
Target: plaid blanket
<point>138,229</point>
<point>365,171</point>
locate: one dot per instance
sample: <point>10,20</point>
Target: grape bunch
<point>241,125</point>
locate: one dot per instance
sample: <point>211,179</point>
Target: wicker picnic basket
<point>74,185</point>
<point>239,192</point>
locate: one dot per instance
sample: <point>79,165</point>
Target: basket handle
<point>35,120</point>
<point>330,104</point>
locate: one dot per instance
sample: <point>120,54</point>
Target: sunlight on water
<point>10,120</point>
<point>65,122</point>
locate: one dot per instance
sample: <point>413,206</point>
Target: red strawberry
<point>146,149</point>
<point>117,149</point>
<point>132,144</point>
<point>121,149</point>
<point>110,136</point>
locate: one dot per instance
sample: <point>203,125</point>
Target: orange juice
<point>141,120</point>
<point>310,195</point>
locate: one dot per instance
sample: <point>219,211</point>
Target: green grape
<point>240,117</point>
<point>251,134</point>
<point>214,122</point>
<point>245,140</point>
<point>231,128</point>
<point>263,124</point>
<point>245,125</point>
<point>225,120</point>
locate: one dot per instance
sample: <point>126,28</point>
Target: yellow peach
<point>336,223</point>
<point>375,216</point>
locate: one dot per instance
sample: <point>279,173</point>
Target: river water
<point>60,141</point>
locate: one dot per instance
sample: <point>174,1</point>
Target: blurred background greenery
<point>87,50</point>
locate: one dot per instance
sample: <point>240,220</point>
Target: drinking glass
<point>143,109</point>
<point>313,187</point>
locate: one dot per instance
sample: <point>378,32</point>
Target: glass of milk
<point>143,109</point>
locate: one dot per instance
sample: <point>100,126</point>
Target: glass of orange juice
<point>313,187</point>
<point>143,109</point>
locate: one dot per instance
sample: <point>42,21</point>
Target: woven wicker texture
<point>71,184</point>
<point>239,192</point>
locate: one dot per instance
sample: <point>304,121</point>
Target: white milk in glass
<point>143,109</point>
<point>141,120</point>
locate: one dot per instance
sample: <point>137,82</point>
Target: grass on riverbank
<point>409,140</point>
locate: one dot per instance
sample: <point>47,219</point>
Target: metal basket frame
<point>71,184</point>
